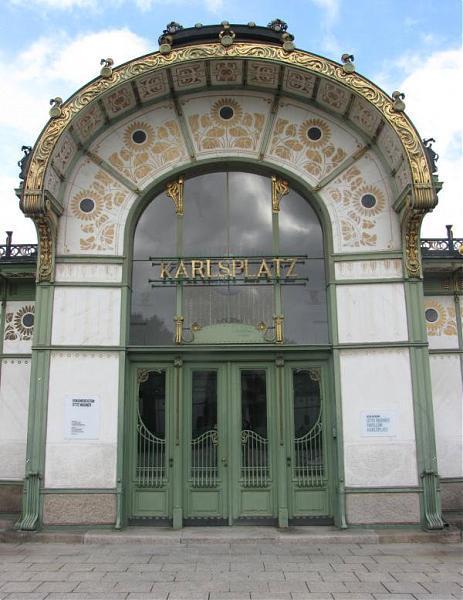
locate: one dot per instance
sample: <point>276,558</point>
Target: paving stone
<point>356,596</point>
<point>444,588</point>
<point>26,596</point>
<point>20,586</point>
<point>57,586</point>
<point>404,587</point>
<point>229,596</point>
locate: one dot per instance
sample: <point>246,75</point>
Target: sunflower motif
<point>24,321</point>
<point>138,136</point>
<point>433,308</point>
<point>226,112</point>
<point>369,201</point>
<point>87,206</point>
<point>314,133</point>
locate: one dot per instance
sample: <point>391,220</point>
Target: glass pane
<point>205,221</point>
<point>254,440</point>
<point>151,428</point>
<point>254,401</point>
<point>300,229</point>
<point>152,310</point>
<point>304,307</point>
<point>215,305</point>
<point>308,466</point>
<point>155,233</point>
<point>250,215</point>
<point>204,402</point>
<point>204,436</point>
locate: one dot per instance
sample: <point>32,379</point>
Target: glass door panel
<point>254,435</point>
<point>204,436</point>
<point>150,475</point>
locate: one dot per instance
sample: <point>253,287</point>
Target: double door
<point>230,442</point>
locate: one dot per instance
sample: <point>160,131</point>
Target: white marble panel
<point>14,402</point>
<point>373,312</point>
<point>86,316</point>
<point>368,269</point>
<point>19,327</point>
<point>87,272</point>
<point>441,322</point>
<point>82,463</point>
<point>447,394</point>
<point>378,380</point>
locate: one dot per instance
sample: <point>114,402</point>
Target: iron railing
<point>449,247</point>
<point>18,252</point>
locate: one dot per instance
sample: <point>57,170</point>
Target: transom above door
<point>228,257</point>
<point>229,442</point>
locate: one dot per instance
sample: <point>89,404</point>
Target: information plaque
<point>82,417</point>
<point>378,423</point>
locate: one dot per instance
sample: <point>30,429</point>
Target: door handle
<point>224,462</point>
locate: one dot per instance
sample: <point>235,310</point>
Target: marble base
<point>451,494</point>
<point>10,497</point>
<point>388,508</point>
<point>79,509</point>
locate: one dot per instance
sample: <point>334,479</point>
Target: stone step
<point>237,534</point>
<point>7,521</point>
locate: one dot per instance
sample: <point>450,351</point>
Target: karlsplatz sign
<point>235,270</point>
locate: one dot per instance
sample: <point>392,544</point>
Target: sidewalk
<point>220,569</point>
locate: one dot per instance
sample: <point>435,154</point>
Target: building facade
<point>224,320</point>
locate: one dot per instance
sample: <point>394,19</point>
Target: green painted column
<point>426,454</point>
<point>283,452</point>
<point>177,466</point>
<point>31,516</point>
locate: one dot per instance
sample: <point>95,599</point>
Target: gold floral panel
<point>96,209</point>
<point>19,327</point>
<point>224,124</point>
<point>360,204</point>
<point>144,147</point>
<point>307,142</point>
<point>441,323</point>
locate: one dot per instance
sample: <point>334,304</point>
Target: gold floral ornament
<point>307,145</point>
<point>147,149</point>
<point>227,125</point>
<point>439,319</point>
<point>96,208</point>
<point>357,205</point>
<point>19,325</point>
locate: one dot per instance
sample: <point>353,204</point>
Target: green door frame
<point>171,501</point>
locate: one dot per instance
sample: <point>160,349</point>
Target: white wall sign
<point>378,423</point>
<point>82,417</point>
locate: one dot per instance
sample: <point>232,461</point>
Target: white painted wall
<point>442,333</point>
<point>82,463</point>
<point>378,380</point>
<point>86,316</point>
<point>14,402</point>
<point>371,313</point>
<point>368,269</point>
<point>447,392</point>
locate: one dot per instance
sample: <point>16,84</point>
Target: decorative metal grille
<point>255,472</point>
<point>151,458</point>
<point>204,459</point>
<point>309,469</point>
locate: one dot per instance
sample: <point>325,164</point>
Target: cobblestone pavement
<point>234,571</point>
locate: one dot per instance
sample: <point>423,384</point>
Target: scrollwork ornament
<point>399,122</point>
<point>412,227</point>
<point>280,188</point>
<point>174,190</point>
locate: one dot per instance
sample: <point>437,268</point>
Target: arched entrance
<point>229,409</point>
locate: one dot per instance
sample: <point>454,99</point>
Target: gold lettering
<point>224,270</point>
<point>164,270</point>
<point>292,266</point>
<point>237,264</point>
<point>197,269</point>
<point>208,268</point>
<point>246,268</point>
<point>264,270</point>
<point>277,263</point>
<point>181,271</point>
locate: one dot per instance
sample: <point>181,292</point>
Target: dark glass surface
<point>306,393</point>
<point>254,401</point>
<point>431,315</point>
<point>204,402</point>
<point>152,403</point>
<point>368,200</point>
<point>87,205</point>
<point>155,234</point>
<point>28,320</point>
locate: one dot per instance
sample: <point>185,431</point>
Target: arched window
<point>231,268</point>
